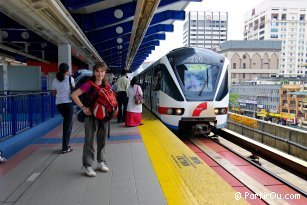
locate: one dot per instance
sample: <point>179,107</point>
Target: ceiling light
<point>118,13</point>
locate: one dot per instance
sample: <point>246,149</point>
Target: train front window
<point>198,81</point>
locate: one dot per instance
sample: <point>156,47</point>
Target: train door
<point>156,87</point>
<point>147,89</point>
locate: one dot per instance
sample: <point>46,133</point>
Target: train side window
<point>142,81</point>
<point>168,85</point>
<point>224,88</point>
<point>157,78</point>
<point>147,79</point>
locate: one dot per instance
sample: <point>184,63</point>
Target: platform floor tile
<point>42,176</point>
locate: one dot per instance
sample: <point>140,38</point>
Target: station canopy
<point>123,33</point>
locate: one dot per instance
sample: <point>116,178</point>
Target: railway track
<point>279,158</point>
<point>215,152</point>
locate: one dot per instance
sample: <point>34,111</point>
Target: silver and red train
<point>187,89</point>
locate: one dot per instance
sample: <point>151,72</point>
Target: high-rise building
<point>205,29</point>
<point>283,20</point>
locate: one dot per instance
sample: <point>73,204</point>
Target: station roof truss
<point>120,32</point>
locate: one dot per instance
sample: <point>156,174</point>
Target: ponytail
<point>63,68</point>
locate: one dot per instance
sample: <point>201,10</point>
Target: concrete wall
<point>24,78</point>
<point>285,134</point>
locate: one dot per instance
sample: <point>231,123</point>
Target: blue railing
<point>23,111</point>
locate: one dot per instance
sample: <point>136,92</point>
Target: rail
<point>271,136</point>
<point>23,111</point>
<point>294,165</point>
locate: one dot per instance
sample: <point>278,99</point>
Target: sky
<point>235,8</point>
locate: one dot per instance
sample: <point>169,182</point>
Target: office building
<point>283,20</point>
<point>205,29</point>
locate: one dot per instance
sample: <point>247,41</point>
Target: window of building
<point>284,17</point>
<point>244,65</point>
<point>274,36</point>
<point>302,17</point>
<point>244,56</point>
<point>234,65</point>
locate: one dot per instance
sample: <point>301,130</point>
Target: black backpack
<point>83,98</point>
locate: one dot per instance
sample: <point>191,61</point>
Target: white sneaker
<point>102,166</point>
<point>89,172</point>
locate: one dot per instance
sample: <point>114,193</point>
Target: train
<point>187,89</point>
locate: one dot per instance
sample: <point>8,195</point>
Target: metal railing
<point>23,111</point>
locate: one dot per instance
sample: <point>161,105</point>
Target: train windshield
<point>198,81</point>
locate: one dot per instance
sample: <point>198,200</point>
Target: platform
<point>148,165</point>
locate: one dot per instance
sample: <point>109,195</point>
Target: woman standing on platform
<point>93,128</point>
<point>134,111</point>
<point>63,84</point>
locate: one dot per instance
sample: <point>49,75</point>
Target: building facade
<point>205,29</point>
<point>249,60</point>
<point>283,20</point>
<point>277,98</point>
<point>303,96</point>
<point>290,104</point>
<point>262,97</point>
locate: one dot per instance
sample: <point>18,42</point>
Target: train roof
<point>186,51</point>
<point>192,50</point>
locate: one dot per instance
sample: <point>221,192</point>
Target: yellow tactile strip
<point>183,176</point>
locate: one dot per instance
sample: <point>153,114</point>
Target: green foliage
<point>233,99</point>
<point>284,81</point>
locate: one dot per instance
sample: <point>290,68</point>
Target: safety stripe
<point>183,176</point>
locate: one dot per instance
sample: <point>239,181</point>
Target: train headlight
<point>216,111</point>
<point>169,111</point>
<point>179,111</point>
<point>220,111</point>
<point>223,111</point>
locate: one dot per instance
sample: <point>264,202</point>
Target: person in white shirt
<point>134,111</point>
<point>114,85</point>
<point>122,99</point>
<point>63,85</point>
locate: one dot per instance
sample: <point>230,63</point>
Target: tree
<point>233,99</point>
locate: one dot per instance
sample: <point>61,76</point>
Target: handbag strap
<point>94,84</point>
<point>70,85</point>
<point>137,88</point>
